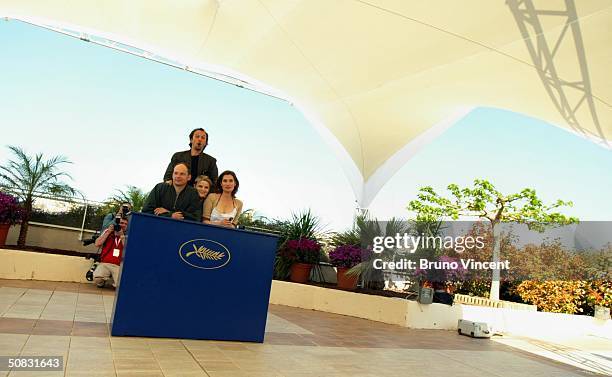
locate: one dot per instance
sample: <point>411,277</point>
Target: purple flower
<point>346,256</point>
<point>304,250</point>
<point>10,210</point>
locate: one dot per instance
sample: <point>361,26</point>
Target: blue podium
<point>182,279</point>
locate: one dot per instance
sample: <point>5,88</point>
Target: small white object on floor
<point>474,329</point>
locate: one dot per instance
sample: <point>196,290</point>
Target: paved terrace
<point>71,319</point>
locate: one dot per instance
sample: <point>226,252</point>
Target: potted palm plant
<point>344,258</point>
<point>301,225</point>
<point>10,214</point>
<point>304,252</point>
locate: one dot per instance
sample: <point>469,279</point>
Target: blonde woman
<point>203,184</point>
<point>222,207</point>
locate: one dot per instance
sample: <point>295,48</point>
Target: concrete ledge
<point>411,314</point>
<point>28,265</point>
<point>433,316</point>
<point>394,311</point>
<point>53,237</point>
<point>376,308</point>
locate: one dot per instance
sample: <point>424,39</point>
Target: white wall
<point>27,265</point>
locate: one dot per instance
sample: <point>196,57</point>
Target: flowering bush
<point>10,210</point>
<point>303,250</point>
<point>600,293</point>
<point>571,297</point>
<point>346,256</point>
<point>556,296</point>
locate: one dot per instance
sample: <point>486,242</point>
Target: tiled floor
<point>71,320</point>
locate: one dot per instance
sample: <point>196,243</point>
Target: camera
<point>90,272</point>
<point>125,211</point>
<point>91,240</point>
<point>117,227</point>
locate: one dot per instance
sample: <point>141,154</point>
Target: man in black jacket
<point>178,199</point>
<point>200,162</point>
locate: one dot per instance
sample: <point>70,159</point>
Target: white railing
<point>71,200</point>
<point>481,301</point>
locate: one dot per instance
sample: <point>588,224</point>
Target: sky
<point>119,118</point>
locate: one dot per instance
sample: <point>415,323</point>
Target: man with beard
<point>199,162</point>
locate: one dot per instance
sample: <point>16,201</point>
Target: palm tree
<point>133,195</point>
<point>26,176</point>
<point>303,224</point>
<point>365,229</point>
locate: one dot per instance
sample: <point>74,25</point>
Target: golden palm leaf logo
<point>205,253</point>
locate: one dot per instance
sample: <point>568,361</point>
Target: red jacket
<point>112,242</point>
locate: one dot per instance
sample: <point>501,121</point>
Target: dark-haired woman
<point>222,207</point>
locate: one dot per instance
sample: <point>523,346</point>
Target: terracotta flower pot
<point>345,281</point>
<point>4,228</point>
<point>300,272</point>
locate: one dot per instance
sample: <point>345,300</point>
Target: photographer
<point>124,210</point>
<point>111,241</point>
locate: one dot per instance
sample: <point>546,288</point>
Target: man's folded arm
<point>149,205</point>
<point>194,210</point>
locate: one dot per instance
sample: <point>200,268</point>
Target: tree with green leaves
<point>484,201</point>
<point>28,176</point>
<point>133,195</point>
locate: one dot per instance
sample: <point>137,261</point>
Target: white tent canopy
<point>378,78</point>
